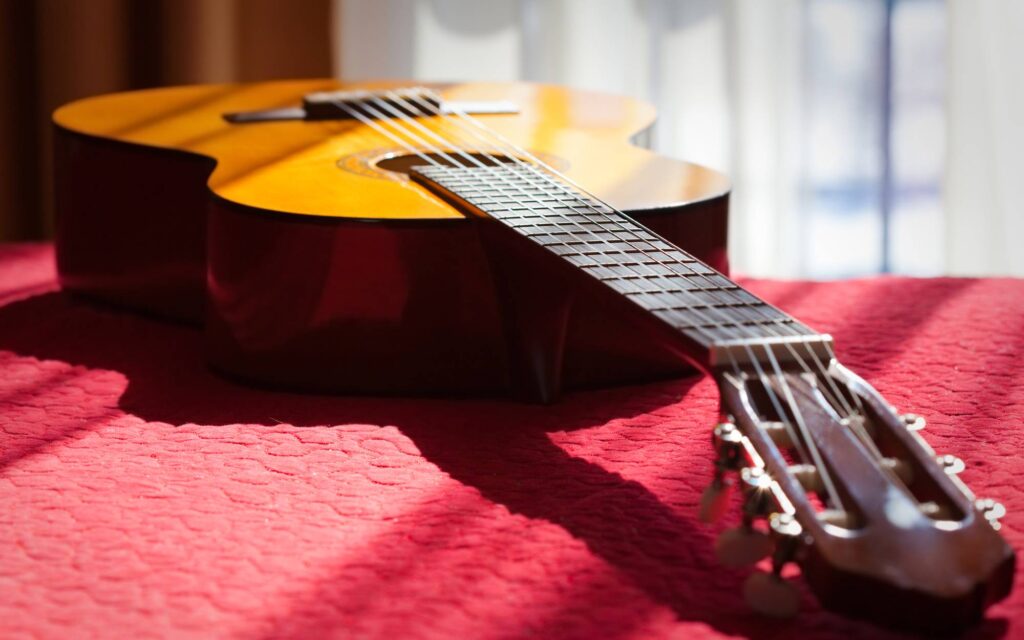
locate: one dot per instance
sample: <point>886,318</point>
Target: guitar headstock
<point>838,482</point>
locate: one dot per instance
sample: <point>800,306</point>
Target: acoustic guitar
<point>506,239</point>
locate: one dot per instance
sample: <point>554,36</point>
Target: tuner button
<point>785,525</point>
<point>714,501</point>
<point>727,442</point>
<point>757,491</point>
<point>913,421</point>
<point>755,480</point>
<point>742,546</point>
<point>770,595</point>
<point>951,464</point>
<point>727,432</point>
<point>992,511</point>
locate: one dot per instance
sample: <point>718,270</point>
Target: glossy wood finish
<point>376,286</point>
<point>131,225</point>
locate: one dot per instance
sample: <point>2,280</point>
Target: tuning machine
<point>727,441</point>
<point>745,545</point>
<point>992,511</point>
<point>742,545</point>
<point>951,464</point>
<point>769,593</point>
<point>912,421</point>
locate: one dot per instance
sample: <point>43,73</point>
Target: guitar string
<point>784,383</point>
<point>469,158</point>
<point>786,390</point>
<point>815,455</point>
<point>428,109</point>
<point>794,410</point>
<point>835,396</point>
<point>496,162</point>
<point>477,126</point>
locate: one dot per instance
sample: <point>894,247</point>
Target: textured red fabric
<point>141,495</point>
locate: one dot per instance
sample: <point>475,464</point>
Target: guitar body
<point>315,263</point>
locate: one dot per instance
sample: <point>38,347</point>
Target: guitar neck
<point>709,312</point>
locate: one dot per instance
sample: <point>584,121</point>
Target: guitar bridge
<point>324,105</point>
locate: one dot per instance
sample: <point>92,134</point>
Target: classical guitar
<point>506,239</point>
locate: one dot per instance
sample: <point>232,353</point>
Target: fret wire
<point>834,497</point>
<point>635,231</point>
<point>464,183</point>
<point>665,279</point>
<point>658,257</point>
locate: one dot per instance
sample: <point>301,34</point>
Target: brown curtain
<point>54,51</point>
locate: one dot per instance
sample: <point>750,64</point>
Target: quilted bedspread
<point>143,496</point>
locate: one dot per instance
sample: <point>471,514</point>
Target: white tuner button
<point>913,421</point>
<point>952,465</point>
<point>992,511</point>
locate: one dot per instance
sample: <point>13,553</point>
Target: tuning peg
<point>742,546</point>
<point>951,464</point>
<point>785,527</point>
<point>757,493</point>
<point>771,595</point>
<point>992,511</point>
<point>912,421</point>
<point>726,439</point>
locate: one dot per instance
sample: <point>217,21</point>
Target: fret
<point>648,271</point>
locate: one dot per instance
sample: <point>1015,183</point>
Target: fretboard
<point>654,274</point>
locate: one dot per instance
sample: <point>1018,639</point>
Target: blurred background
<point>861,136</point>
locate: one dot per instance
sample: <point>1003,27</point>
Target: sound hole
<point>404,163</point>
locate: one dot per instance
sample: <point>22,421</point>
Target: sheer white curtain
<point>827,115</point>
<point>985,166</point>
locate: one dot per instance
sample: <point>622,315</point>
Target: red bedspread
<point>141,495</point>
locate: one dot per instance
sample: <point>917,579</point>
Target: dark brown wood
<point>884,558</point>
